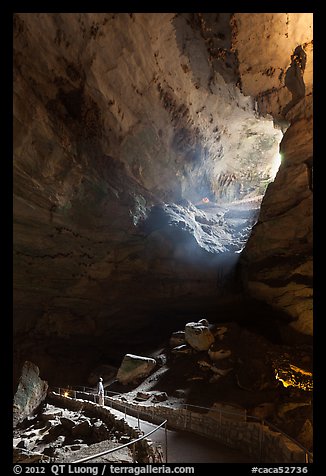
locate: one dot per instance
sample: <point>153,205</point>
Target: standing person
<point>100,391</point>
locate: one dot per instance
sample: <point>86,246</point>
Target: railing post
<point>261,440</point>
<point>138,424</point>
<point>166,442</point>
<point>94,398</point>
<point>125,413</point>
<point>133,453</point>
<point>59,390</point>
<point>75,394</point>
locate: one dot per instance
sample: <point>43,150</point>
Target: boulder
<point>220,332</point>
<point>305,436</point>
<point>182,349</point>
<point>82,429</point>
<point>177,338</point>
<point>217,371</point>
<point>284,408</point>
<point>23,444</point>
<point>67,423</point>
<point>204,365</point>
<point>203,322</point>
<point>160,397</point>
<point>50,414</point>
<point>221,354</point>
<point>134,367</point>
<point>124,439</point>
<point>75,447</point>
<point>143,396</point>
<point>24,456</point>
<point>31,391</point>
<point>264,410</point>
<point>49,450</point>
<point>100,432</point>
<point>180,393</point>
<point>161,359</point>
<point>198,336</point>
<point>60,440</point>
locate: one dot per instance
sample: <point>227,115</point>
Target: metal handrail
<point>82,388</point>
<point>244,413</point>
<point>112,450</point>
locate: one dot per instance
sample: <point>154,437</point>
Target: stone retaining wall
<point>145,450</point>
<point>249,437</point>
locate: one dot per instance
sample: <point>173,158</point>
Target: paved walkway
<point>184,447</point>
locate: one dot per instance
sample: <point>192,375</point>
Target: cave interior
<point>163,175</point>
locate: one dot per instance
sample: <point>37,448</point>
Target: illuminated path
<point>184,447</point>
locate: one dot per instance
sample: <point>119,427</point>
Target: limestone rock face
<point>278,255</point>
<point>134,367</point>
<point>127,127</point>
<point>100,138</point>
<point>198,336</point>
<point>277,44</point>
<point>279,251</point>
<point>30,393</point>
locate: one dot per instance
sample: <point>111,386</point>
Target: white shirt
<point>100,388</point>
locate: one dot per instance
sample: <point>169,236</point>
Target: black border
<point>7,176</point>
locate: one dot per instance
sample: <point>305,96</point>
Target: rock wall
<point>115,114</point>
<point>30,393</point>
<point>275,53</point>
<point>278,255</point>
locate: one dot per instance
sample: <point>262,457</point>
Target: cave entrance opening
<point>220,200</point>
<point>211,224</point>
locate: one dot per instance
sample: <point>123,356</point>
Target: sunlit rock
<point>182,349</point>
<point>31,391</point>
<point>203,322</point>
<point>134,367</point>
<point>198,336</point>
